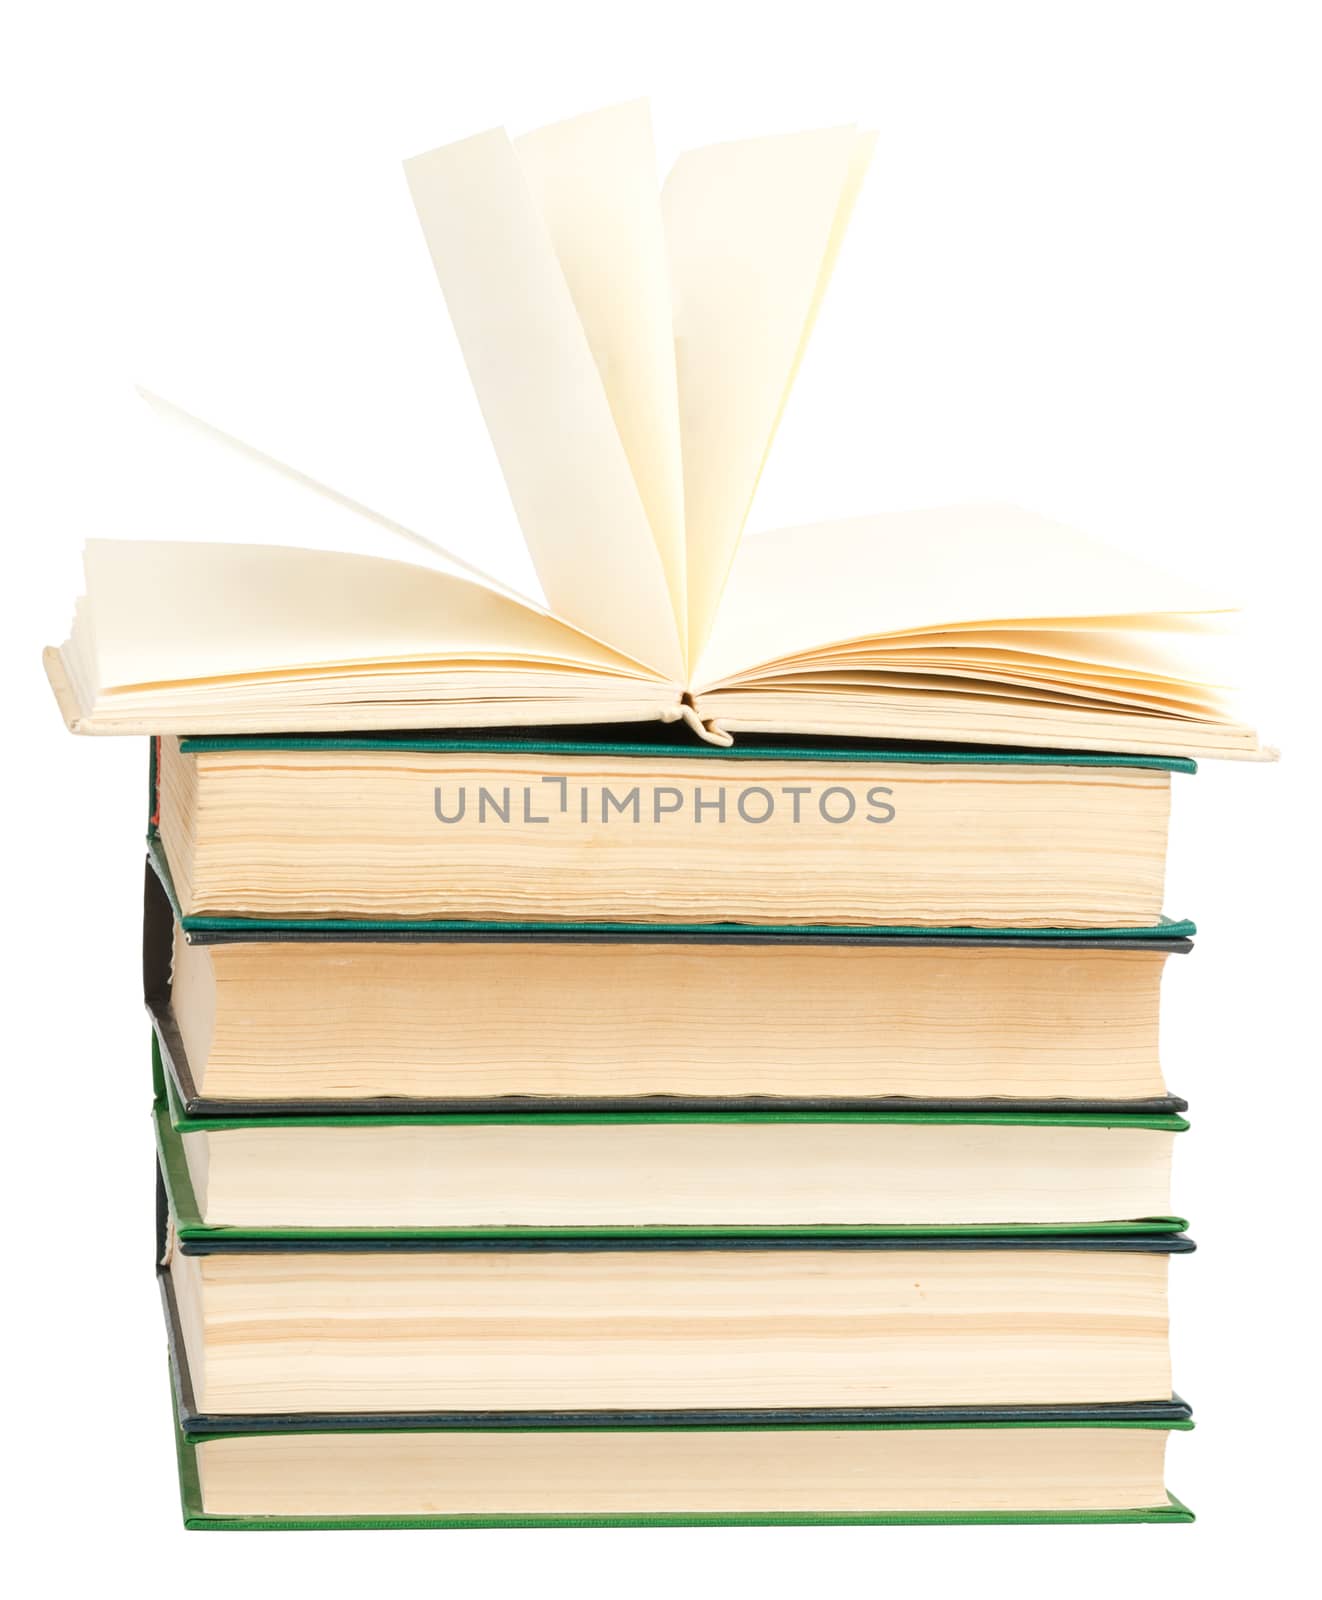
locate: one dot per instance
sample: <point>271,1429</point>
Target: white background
<point>1084,275</point>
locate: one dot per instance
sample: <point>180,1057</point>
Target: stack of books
<point>508,1179</point>
<point>688,1054</point>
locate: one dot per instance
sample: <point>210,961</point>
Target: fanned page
<point>923,624</point>
<point>754,228</point>
<point>594,178</point>
<point>540,389</point>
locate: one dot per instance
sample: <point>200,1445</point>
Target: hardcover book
<point>447,830</point>
<point>655,335</point>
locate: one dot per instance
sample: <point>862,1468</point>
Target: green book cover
<point>663,741</point>
<point>171,1122</point>
<point>196,1518</point>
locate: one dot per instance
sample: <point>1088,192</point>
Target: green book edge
<point>198,1520</point>
<point>971,755</point>
<point>170,1124</point>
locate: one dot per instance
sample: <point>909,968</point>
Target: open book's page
<point>207,480</point>
<point>1151,654</point>
<point>969,625</point>
<point>594,179</point>
<point>753,229</point>
<point>806,590</point>
<point>542,396</point>
<point>166,613</point>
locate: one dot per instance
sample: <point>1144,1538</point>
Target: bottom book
<point>604,1475</point>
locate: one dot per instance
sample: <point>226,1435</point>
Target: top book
<point>632,350</point>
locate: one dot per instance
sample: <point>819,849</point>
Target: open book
<point>632,350</point>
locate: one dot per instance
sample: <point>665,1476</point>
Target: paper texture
<point>542,397</point>
<point>171,611</point>
<point>595,180</point>
<point>753,229</point>
<point>925,570</point>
